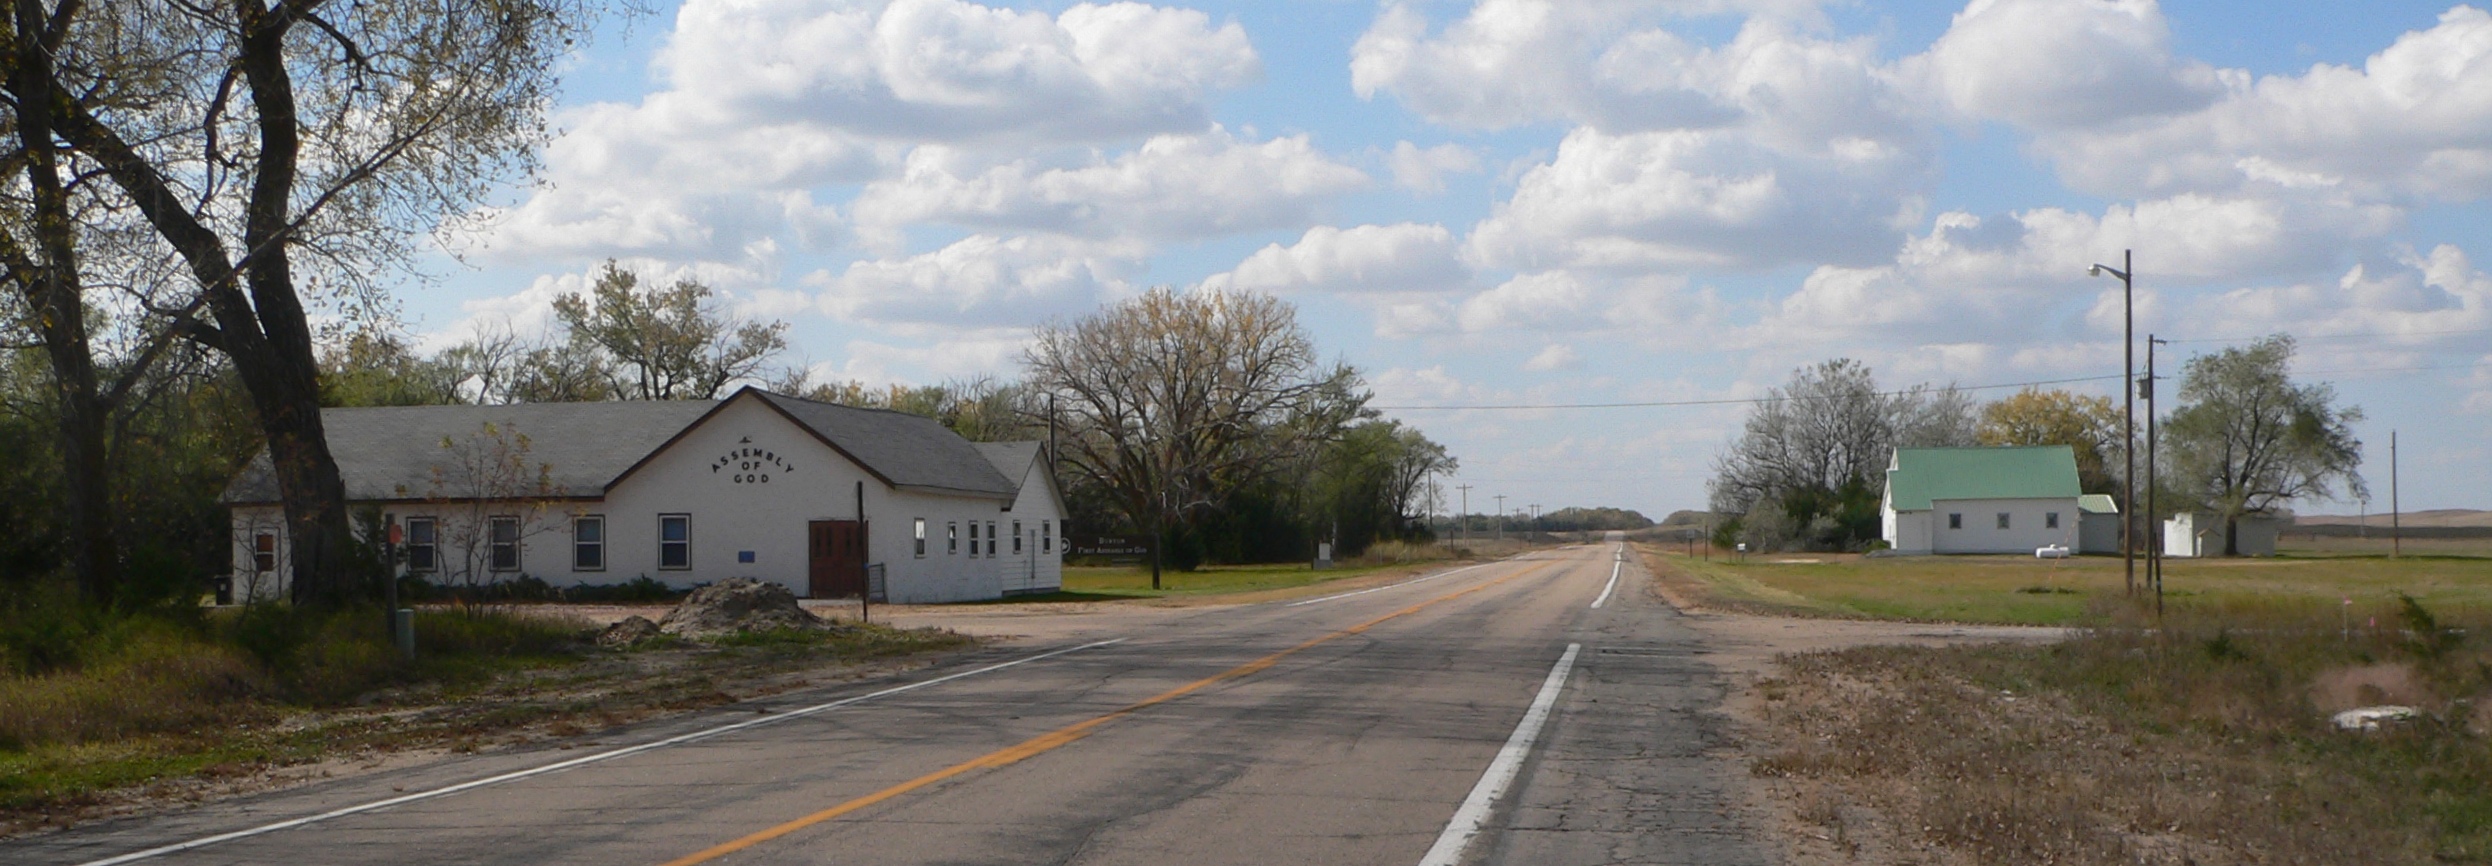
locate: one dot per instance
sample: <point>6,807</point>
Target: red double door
<point>835,558</point>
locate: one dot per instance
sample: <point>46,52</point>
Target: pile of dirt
<point>629,631</point>
<point>738,604</point>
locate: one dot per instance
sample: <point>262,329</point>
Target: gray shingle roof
<point>903,449</point>
<point>389,452</point>
<point>1013,459</point>
<point>386,453</point>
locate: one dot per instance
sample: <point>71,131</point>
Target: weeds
<point>96,702</point>
<point>2202,738</point>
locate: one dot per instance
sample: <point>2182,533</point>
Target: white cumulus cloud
<point>1368,259</point>
<point>1175,187</point>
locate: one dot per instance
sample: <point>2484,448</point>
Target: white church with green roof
<point>1993,500</point>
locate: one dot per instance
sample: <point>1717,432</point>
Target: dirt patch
<point>2367,685</point>
<point>1812,821</point>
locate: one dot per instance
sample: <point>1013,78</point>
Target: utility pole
<point>2396,519</point>
<point>1465,530</point>
<point>2154,521</point>
<point>1501,517</point>
<point>2128,432</point>
<point>1535,520</point>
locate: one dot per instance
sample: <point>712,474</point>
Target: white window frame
<point>919,531</point>
<point>1046,536</point>
<point>1016,538</point>
<point>494,544</point>
<point>2003,521</point>
<point>973,539</point>
<point>686,543</point>
<point>578,546</point>
<point>1955,520</point>
<point>951,538</point>
<point>991,544</point>
<point>431,545</point>
<point>2050,520</point>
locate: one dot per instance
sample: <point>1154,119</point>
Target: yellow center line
<point>1062,736</point>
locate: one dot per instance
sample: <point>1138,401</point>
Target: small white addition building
<point>1993,500</point>
<point>812,496</point>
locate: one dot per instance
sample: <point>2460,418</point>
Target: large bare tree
<point>1815,449</point>
<point>285,153</point>
<point>1172,400</point>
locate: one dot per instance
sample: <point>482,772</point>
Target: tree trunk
<point>49,274</point>
<point>2232,533</point>
<point>318,535</point>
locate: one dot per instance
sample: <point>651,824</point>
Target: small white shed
<point>2201,533</point>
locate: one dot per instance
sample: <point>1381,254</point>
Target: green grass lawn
<point>1083,583</point>
<point>2027,591</point>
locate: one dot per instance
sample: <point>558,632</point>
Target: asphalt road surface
<point>1491,714</point>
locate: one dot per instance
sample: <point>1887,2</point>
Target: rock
<point>632,630</point>
<point>738,604</point>
<point>2371,718</point>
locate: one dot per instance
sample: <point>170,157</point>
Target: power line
<point>1741,401</point>
<point>2360,336</point>
<point>1745,401</point>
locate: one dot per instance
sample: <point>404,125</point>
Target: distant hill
<point>1575,519</point>
<point>2450,518</point>
<point>1688,518</point>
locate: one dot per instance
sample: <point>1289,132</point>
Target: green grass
<point>2027,591</point>
<point>1091,582</point>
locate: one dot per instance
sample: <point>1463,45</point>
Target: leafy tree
<point>1175,402</point>
<point>282,153</point>
<point>2088,423</point>
<point>2246,439</point>
<point>376,368</point>
<point>1372,483</point>
<point>669,343</point>
<point>1811,459</point>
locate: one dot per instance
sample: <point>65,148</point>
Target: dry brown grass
<point>2205,741</point>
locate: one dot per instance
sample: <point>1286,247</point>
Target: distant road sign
<point>1110,547</point>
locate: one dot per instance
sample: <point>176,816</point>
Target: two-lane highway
<point>1544,710</point>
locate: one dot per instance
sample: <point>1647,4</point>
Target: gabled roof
<point>911,451</point>
<point>2098,503</point>
<point>389,453</point>
<point>1011,458</point>
<point>1921,475</point>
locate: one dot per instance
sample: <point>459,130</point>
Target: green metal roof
<point>2098,503</point>
<point>2034,472</point>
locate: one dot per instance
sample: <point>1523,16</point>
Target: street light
<point>2128,395</point>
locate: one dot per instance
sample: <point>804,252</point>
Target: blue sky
<point>1512,202</point>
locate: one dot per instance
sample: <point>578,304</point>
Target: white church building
<point>1993,500</point>
<point>830,501</point>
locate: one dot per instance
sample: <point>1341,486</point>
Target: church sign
<point>750,464</point>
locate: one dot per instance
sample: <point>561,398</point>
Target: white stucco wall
<point>1980,532</point>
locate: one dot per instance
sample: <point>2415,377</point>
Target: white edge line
<point>1473,815</point>
<point>1612,587</point>
<point>1394,585</point>
<point>558,766</point>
